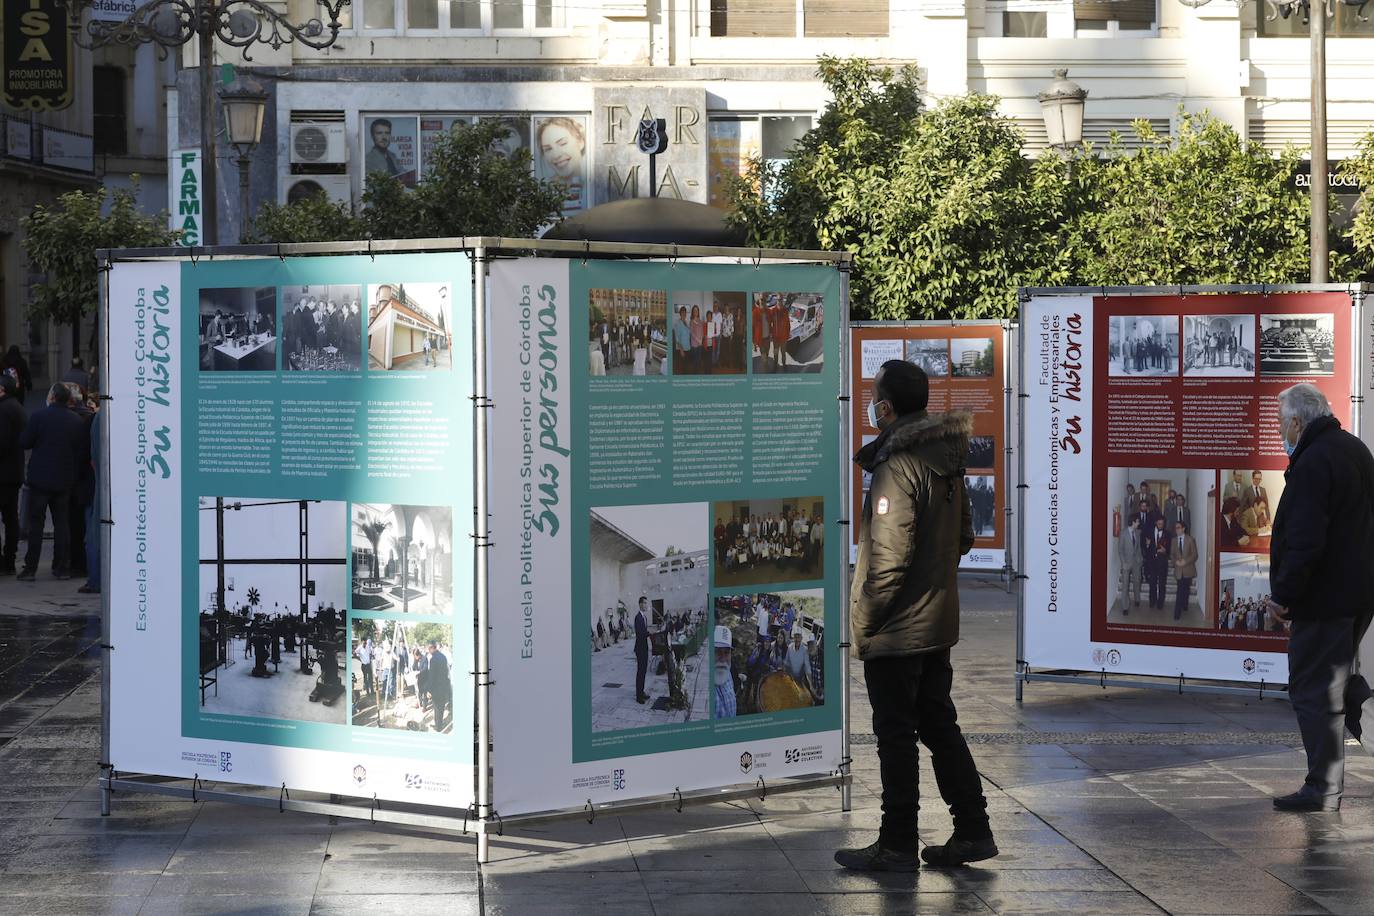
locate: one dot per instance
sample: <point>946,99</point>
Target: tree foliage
<point>469,188</point>
<point>946,217</point>
<point>1361,234</point>
<point>61,241</point>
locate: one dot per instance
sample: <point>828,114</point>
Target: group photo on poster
<point>322,328</point>
<point>1243,597</point>
<point>708,333</point>
<point>1145,345</point>
<point>627,332</point>
<point>402,675</point>
<point>1218,346</point>
<point>787,332</point>
<point>238,329</point>
<point>1248,501</point>
<point>930,353</point>
<point>647,622</point>
<point>762,541</point>
<point>1302,344</point>
<point>982,497</point>
<point>769,652</point>
<point>1160,563</point>
<point>271,580</point>
<point>409,327</point>
<point>402,559</point>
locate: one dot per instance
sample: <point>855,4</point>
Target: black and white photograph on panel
<point>769,653</point>
<point>238,329</point>
<point>628,332</point>
<point>982,498</point>
<point>409,327</point>
<point>971,357</point>
<point>1243,597</point>
<point>648,622</point>
<point>272,580</point>
<point>402,675</point>
<point>1144,345</point>
<point>763,541</point>
<point>322,328</point>
<point>1160,561</point>
<point>982,453</point>
<point>788,332</point>
<point>1219,346</point>
<point>402,558</point>
<point>931,354</point>
<point>1297,344</point>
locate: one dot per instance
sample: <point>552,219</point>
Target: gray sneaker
<point>878,858</point>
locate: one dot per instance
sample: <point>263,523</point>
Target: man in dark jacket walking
<point>54,436</point>
<point>13,419</point>
<point>1321,579</point>
<point>904,607</point>
<point>641,649</point>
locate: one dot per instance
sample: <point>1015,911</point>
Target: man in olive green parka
<point>904,609</point>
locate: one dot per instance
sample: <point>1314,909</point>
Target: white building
<point>736,78</point>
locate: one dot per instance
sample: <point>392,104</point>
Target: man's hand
<point>1277,610</point>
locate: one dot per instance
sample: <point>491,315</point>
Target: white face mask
<point>1289,447</point>
<point>873,414</point>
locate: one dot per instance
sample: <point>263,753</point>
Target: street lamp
<point>243,101</point>
<point>1061,105</point>
<point>237,23</point>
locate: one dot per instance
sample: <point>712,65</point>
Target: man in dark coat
<point>641,648</point>
<point>13,419</point>
<point>904,609</point>
<point>54,436</point>
<point>1321,580</point>
<point>440,686</point>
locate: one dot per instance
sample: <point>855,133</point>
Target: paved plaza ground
<point>1104,801</point>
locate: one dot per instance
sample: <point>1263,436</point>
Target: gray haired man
<point>1322,581</point>
<point>1128,553</point>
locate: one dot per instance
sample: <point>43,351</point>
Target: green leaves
<point>946,217</point>
<point>468,189</point>
<point>61,242</point>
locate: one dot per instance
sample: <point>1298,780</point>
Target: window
<point>1105,18</point>
<point>1289,22</point>
<point>735,140</point>
<point>1025,24</point>
<point>798,18</point>
<point>111,123</point>
<point>441,17</point>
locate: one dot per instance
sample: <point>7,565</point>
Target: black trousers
<point>1320,656</point>
<point>641,669</point>
<point>40,502</point>
<point>9,517</point>
<point>910,696</point>
<point>443,703</point>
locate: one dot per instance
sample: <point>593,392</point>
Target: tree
<point>470,188</point>
<point>1361,233</point>
<point>1202,206</point>
<point>371,527</point>
<point>61,242</point>
<point>944,215</point>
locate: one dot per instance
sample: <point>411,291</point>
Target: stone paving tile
<point>252,905</point>
<point>898,904</point>
<point>349,879</point>
<point>60,905</point>
<point>410,905</point>
<point>1111,903</point>
<point>707,904</point>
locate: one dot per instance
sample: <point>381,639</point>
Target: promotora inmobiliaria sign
<point>37,71</point>
<point>665,567</point>
<point>290,489</point>
<point>1154,467</point>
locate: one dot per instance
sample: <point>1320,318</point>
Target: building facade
<point>735,79</point>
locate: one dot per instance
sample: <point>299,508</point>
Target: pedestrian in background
<point>52,438</point>
<point>904,609</point>
<point>1322,581</point>
<point>16,367</point>
<point>93,526</point>
<point>13,419</point>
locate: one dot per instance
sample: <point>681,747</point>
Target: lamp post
<point>237,23</point>
<point>243,101</point>
<point>1061,105</point>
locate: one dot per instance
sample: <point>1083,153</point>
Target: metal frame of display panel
<point>479,819</point>
<point>1180,684</point>
<point>1009,354</point>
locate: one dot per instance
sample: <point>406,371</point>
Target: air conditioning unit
<point>318,144</point>
<point>335,187</point>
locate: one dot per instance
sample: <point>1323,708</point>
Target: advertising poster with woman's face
<point>561,155</point>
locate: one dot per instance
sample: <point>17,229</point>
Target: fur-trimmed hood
<point>942,438</point>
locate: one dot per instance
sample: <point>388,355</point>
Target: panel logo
<point>746,762</point>
<point>360,775</point>
<point>226,762</point>
<point>1104,657</point>
<point>1248,666</point>
<point>618,781</point>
